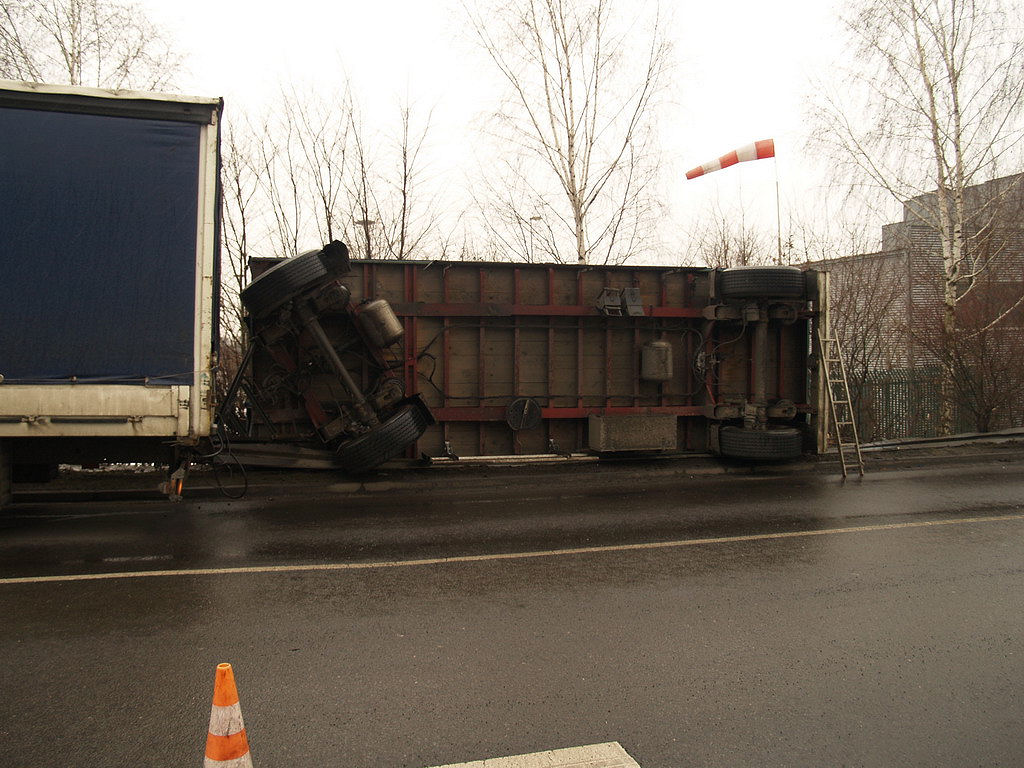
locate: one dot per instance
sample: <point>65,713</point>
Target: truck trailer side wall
<point>482,336</point>
<point>109,260</point>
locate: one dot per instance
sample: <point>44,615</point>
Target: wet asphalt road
<point>876,623</point>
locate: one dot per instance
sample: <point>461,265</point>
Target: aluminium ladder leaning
<point>840,403</point>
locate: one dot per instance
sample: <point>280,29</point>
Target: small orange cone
<point>226,744</point>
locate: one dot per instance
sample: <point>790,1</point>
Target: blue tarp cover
<point>98,221</point>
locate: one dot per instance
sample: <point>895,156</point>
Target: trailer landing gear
<point>174,486</point>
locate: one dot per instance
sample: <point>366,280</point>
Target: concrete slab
<point>607,755</point>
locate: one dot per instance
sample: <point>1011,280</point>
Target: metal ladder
<point>840,403</point>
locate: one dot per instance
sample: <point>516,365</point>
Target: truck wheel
<point>282,281</point>
<point>762,282</point>
<point>384,441</point>
<point>773,444</point>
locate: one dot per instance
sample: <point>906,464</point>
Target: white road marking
<point>608,755</point>
<point>510,555</point>
<point>137,558</point>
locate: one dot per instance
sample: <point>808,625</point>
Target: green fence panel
<point>902,403</point>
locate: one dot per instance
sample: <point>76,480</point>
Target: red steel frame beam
<point>659,329</point>
<point>423,309</point>
<point>516,352</point>
<point>515,339</point>
<point>636,365</point>
<point>636,352</point>
<point>497,412</point>
<point>481,372</point>
<point>446,373</point>
<point>579,357</point>
<point>607,357</point>
<point>551,353</point>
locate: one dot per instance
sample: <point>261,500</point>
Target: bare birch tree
<point>985,362</point>
<point>576,126</point>
<point>932,107</point>
<point>102,43</point>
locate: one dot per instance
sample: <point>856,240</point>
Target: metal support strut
<point>359,403</point>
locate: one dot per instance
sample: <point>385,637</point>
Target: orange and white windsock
<point>759,150</point>
<point>226,743</point>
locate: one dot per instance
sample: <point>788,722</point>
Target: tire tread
<point>384,442</point>
<point>281,282</point>
<point>772,444</point>
<point>762,282</point>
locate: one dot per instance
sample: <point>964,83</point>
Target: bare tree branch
<point>103,43</point>
<point>929,109</point>
<point>580,113</point>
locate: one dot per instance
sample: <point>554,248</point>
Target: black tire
<point>283,281</point>
<point>760,445</point>
<point>762,282</point>
<point>384,441</point>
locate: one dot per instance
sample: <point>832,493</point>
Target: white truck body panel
<point>143,408</point>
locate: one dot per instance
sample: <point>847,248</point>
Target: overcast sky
<point>742,70</point>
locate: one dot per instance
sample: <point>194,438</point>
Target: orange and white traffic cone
<point>226,743</point>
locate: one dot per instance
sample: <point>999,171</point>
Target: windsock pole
<point>778,210</point>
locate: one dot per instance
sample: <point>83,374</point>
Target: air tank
<point>378,322</point>
<point>656,361</point>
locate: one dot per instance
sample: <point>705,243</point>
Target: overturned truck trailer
<point>500,359</point>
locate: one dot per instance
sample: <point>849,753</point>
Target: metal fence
<point>906,403</point>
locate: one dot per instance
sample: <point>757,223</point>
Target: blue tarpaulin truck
<point>109,274</point>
